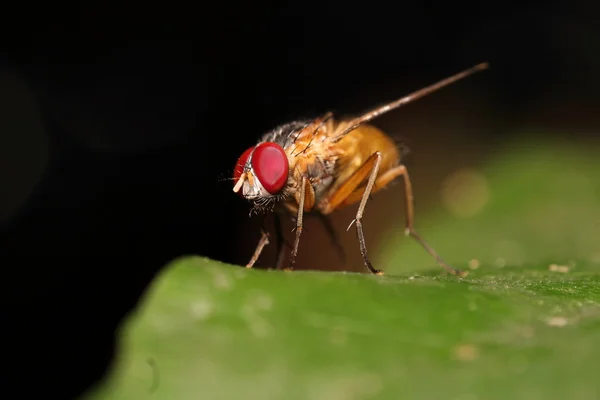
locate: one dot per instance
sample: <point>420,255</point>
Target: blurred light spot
<point>559,268</point>
<point>465,192</point>
<point>264,302</point>
<point>557,321</point>
<point>500,262</point>
<point>466,352</point>
<point>221,280</point>
<point>474,263</point>
<point>202,309</point>
<point>258,325</point>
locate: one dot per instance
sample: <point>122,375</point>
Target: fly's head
<point>261,175</point>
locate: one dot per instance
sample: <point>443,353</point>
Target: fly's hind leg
<point>352,191</point>
<point>410,230</point>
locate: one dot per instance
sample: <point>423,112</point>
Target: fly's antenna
<point>355,123</point>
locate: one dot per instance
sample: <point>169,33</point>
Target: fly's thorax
<point>286,134</point>
<point>315,160</point>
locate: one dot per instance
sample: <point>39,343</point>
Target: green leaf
<point>525,324</point>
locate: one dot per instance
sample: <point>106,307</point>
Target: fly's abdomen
<point>359,145</point>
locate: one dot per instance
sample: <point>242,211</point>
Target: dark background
<point>115,146</point>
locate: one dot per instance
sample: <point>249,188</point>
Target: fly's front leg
<point>264,240</point>
<point>298,224</point>
<point>306,200</point>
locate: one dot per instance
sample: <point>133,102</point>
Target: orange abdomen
<point>360,144</point>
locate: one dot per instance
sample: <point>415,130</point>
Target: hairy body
<point>312,151</point>
<point>321,165</point>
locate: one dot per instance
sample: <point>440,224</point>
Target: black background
<point>142,108</point>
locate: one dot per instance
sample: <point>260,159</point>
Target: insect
<point>321,165</point>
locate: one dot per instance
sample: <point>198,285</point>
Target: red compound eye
<point>239,166</point>
<point>271,166</point>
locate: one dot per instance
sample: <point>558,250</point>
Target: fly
<point>319,166</point>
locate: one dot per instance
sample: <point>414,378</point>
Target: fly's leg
<point>264,240</point>
<point>301,200</point>
<point>383,181</point>
<point>350,192</point>
<point>373,163</point>
<point>305,198</point>
<point>346,190</point>
<point>410,230</point>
